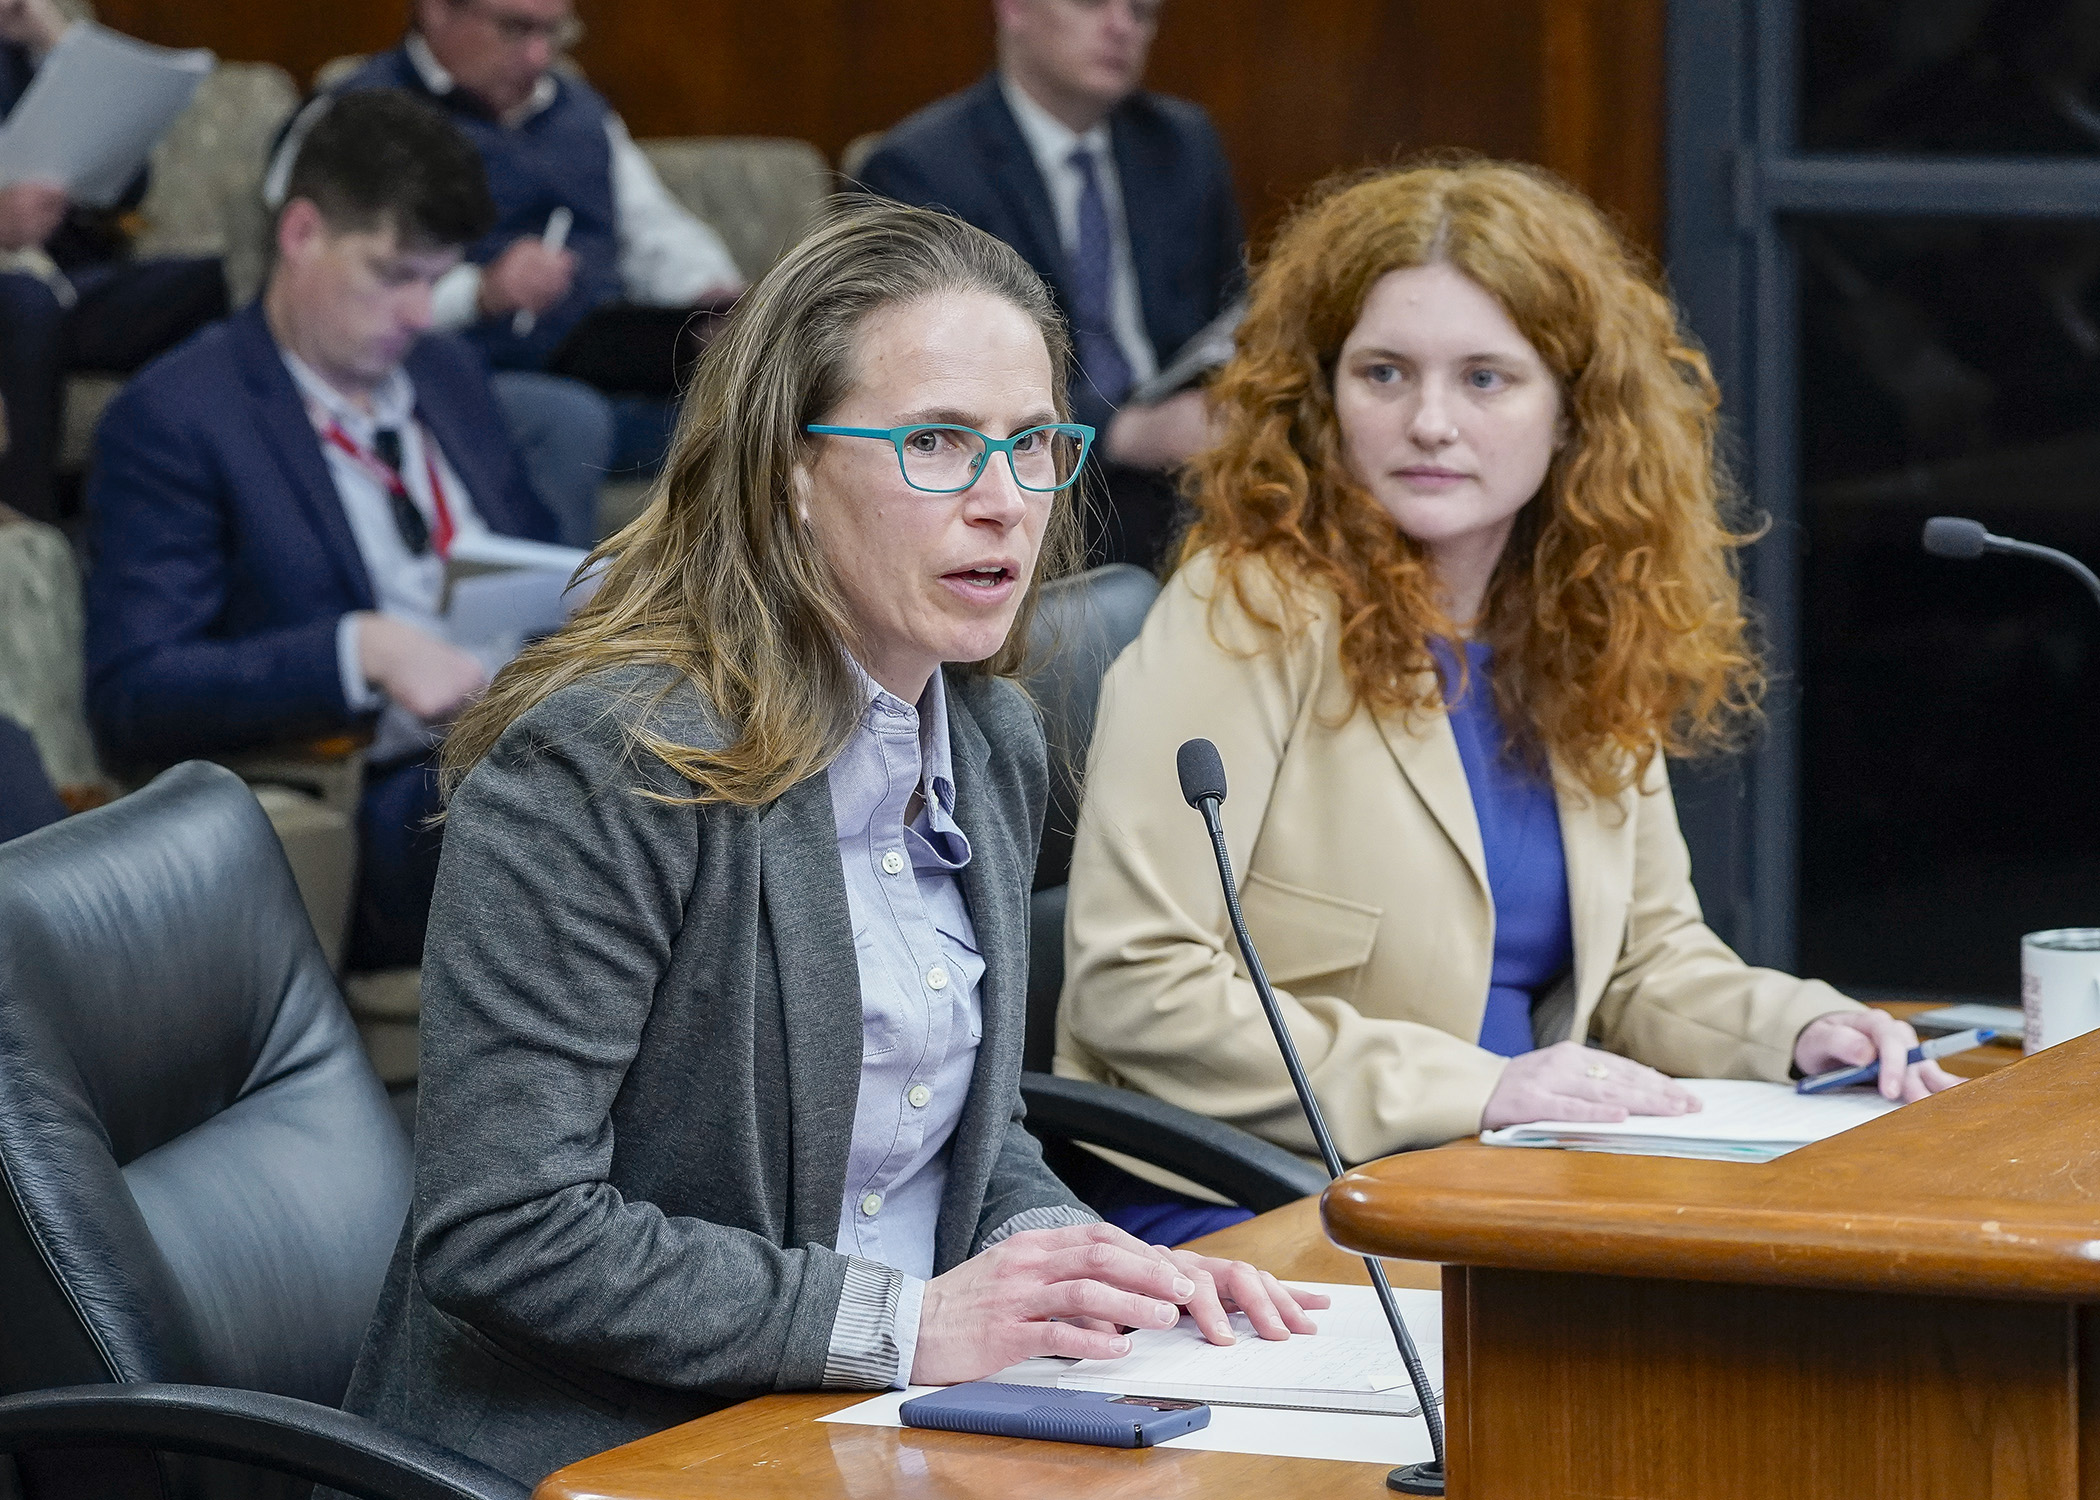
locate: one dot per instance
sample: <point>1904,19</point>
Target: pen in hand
<point>1946,1046</point>
<point>556,239</point>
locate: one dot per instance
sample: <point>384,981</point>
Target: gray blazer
<point>641,1051</point>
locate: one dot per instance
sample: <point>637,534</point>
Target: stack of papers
<point>1741,1122</point>
<point>1309,1429</point>
<point>1320,1373</point>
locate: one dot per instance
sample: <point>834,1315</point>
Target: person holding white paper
<point>68,301</point>
<point>277,504</point>
<point>1461,578</point>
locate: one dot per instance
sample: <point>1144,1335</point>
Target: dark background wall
<point>1298,87</point>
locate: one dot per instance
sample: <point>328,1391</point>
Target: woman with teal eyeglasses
<point>724,993</point>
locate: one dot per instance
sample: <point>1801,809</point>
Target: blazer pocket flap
<point>1301,933</point>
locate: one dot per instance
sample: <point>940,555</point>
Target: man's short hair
<point>382,157</point>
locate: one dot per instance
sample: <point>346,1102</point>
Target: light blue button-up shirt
<point>893,796</point>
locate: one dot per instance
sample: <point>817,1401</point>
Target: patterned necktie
<point>1101,361</point>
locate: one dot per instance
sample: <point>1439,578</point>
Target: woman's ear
<point>799,481</point>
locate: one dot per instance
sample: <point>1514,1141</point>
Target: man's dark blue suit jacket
<point>223,559</point>
<point>966,154</point>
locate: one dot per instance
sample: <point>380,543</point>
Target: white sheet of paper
<point>1738,1112</point>
<point>1278,1433</point>
<point>492,614</point>
<point>493,550</point>
<point>1326,1373</point>
<point>499,611</point>
<point>94,110</point>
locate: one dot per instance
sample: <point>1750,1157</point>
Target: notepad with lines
<point>1742,1121</point>
<point>1315,1373</point>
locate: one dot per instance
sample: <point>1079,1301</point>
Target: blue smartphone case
<point>1037,1411</point>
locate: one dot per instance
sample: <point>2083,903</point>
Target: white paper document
<point>1325,1373</point>
<point>1306,1430</point>
<point>1742,1121</point>
<point>94,110</point>
<point>503,591</point>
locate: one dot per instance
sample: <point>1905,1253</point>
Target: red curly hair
<point>1614,614</point>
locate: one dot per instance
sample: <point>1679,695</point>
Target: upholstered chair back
<point>200,1177</point>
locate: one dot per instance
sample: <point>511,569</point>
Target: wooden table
<point>1910,1309</point>
<point>775,1446</point>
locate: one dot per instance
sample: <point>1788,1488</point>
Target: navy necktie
<point>1101,361</point>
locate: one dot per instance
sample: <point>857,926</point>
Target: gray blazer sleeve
<point>559,897</point>
<point>1024,1193</point>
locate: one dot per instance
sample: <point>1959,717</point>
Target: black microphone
<point>1203,785</point>
<point>1965,541</point>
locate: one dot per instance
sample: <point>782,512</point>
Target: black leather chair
<point>202,1178</point>
<point>1081,626</point>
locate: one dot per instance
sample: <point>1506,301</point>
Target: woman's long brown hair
<point>1614,615</point>
<point>717,578</point>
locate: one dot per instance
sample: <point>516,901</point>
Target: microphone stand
<point>1963,540</point>
<point>1408,1479</point>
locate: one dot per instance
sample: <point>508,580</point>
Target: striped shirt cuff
<point>1056,1216</point>
<point>864,1354</point>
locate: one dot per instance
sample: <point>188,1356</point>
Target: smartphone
<point>1042,1411</point>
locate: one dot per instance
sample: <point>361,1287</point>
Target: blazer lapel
<point>1596,838</point>
<point>468,458</point>
<point>1019,182</point>
<point>804,892</point>
<point>280,418</point>
<point>1428,757</point>
<point>995,887</point>
<point>1145,172</point>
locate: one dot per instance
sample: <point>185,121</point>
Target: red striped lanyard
<point>391,481</point>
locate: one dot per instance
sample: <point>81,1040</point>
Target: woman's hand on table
<point>1853,1038</point>
<point>1229,1286</point>
<point>1070,1292</point>
<point>1568,1081</point>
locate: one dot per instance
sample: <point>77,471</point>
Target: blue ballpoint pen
<point>1945,1046</point>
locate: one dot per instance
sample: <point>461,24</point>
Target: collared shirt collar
<point>439,80</point>
<point>393,403</point>
<point>936,759</point>
<point>1049,139</point>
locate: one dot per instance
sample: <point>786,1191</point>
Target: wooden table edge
<point>1287,1241</point>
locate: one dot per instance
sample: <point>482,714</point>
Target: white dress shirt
<point>1051,142</point>
<point>405,586</point>
<point>668,258</point>
<point>922,1016</point>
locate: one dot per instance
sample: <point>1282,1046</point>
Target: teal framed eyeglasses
<point>943,458</point>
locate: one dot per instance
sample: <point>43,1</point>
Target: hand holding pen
<point>1946,1046</point>
<point>1874,1039</point>
<point>530,276</point>
<point>554,242</point>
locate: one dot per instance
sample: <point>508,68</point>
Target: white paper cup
<point>2060,984</point>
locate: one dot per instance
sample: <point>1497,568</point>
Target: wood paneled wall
<point>1298,88</point>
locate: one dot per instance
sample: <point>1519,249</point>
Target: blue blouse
<point>1527,869</point>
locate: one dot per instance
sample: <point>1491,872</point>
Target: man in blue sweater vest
<point>551,142</point>
<point>276,502</point>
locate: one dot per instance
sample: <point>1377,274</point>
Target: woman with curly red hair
<point>1459,580</point>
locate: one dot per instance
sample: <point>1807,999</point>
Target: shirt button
<point>871,1205</point>
<point>936,978</point>
<point>920,1096</point>
<point>893,863</point>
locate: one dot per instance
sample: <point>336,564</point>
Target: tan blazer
<point>1364,886</point>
